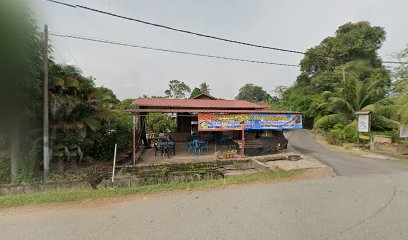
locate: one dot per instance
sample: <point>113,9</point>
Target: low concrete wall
<point>9,189</point>
<point>170,177</point>
<point>152,174</point>
<point>277,157</point>
<point>382,139</point>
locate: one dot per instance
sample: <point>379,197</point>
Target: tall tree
<point>177,89</point>
<point>205,88</point>
<point>277,93</point>
<point>252,93</point>
<point>324,66</point>
<point>352,41</point>
<point>196,91</point>
<point>352,95</point>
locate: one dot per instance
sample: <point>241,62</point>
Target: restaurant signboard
<point>219,122</point>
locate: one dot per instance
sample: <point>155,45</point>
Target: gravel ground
<point>305,162</point>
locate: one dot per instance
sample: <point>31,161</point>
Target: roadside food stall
<point>249,127</point>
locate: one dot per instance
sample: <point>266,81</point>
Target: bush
<point>5,171</point>
<point>161,123</point>
<point>117,130</point>
<point>328,122</point>
<point>345,132</point>
<point>350,131</point>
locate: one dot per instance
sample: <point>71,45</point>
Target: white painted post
<point>114,164</point>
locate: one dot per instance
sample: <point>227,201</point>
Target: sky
<point>132,72</point>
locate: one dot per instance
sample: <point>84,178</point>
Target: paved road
<point>342,163</point>
<point>356,205</point>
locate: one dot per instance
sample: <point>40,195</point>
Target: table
<point>164,146</point>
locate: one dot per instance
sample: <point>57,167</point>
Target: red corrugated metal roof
<point>196,103</point>
<point>208,111</point>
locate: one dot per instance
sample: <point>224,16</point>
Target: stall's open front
<point>209,129</point>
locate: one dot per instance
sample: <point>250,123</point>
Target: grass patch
<point>88,194</point>
<point>402,160</point>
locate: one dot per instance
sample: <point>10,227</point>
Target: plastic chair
<point>190,146</point>
<point>196,147</point>
<point>205,143</point>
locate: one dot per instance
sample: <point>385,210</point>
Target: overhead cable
<point>167,50</point>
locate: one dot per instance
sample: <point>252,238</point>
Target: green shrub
<point>5,171</point>
<point>328,122</point>
<point>344,132</point>
<point>350,131</point>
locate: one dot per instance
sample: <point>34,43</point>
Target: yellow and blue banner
<point>216,122</point>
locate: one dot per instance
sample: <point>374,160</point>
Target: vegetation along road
<point>365,202</point>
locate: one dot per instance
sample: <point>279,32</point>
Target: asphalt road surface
<point>342,163</point>
<point>368,201</point>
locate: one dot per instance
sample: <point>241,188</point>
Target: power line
<point>167,50</point>
<point>70,53</point>
<point>196,33</point>
<point>175,29</point>
<point>395,62</point>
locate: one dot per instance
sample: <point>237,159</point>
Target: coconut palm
<point>77,107</point>
<point>402,108</point>
<point>349,97</point>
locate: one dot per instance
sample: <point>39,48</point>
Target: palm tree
<point>205,88</point>
<point>76,106</point>
<point>402,103</point>
<point>349,97</point>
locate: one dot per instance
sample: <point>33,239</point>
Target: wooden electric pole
<point>46,125</point>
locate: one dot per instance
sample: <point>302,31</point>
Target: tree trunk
<point>14,151</point>
<point>61,164</point>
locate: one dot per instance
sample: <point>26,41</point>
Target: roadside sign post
<point>364,125</point>
<point>404,131</point>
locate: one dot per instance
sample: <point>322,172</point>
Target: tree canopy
<point>177,89</point>
<point>252,93</point>
<point>352,53</point>
<point>203,88</point>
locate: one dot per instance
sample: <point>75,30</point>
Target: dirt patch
<point>315,173</point>
<point>352,150</point>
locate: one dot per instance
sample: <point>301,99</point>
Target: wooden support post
<point>243,143</point>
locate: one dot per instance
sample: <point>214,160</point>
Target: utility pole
<point>46,152</point>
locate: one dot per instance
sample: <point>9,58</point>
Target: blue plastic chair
<point>190,146</point>
<point>196,147</point>
<point>205,144</point>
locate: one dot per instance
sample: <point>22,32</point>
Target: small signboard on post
<point>363,121</point>
<point>403,131</point>
<point>364,125</point>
